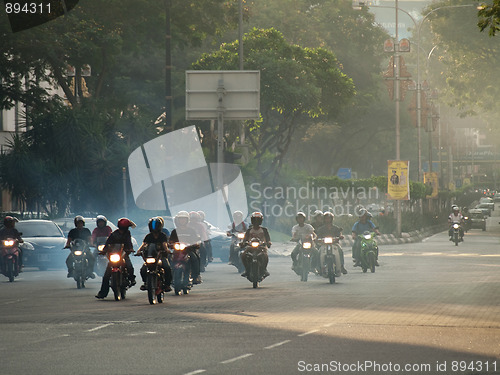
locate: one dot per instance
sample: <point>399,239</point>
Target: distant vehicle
<point>485,207</point>
<point>477,219</point>
<point>48,241</point>
<point>489,202</point>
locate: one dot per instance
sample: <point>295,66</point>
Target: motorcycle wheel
<point>116,285</point>
<point>151,285</point>
<point>456,241</point>
<point>78,282</point>
<point>255,284</point>
<point>10,270</point>
<point>371,261</point>
<point>255,275</point>
<point>185,290</point>
<point>178,278</point>
<point>331,273</point>
<point>306,265</point>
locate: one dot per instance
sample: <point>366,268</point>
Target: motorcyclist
<point>102,229</point>
<point>363,224</point>
<point>208,243</point>
<point>123,237</point>
<point>159,238</point>
<point>256,231</point>
<point>303,231</point>
<point>185,234</point>
<point>456,218</point>
<point>317,219</point>
<point>237,226</point>
<point>195,222</point>
<point>331,230</point>
<point>82,233</point>
<point>9,231</point>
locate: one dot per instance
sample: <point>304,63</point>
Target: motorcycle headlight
<point>8,243</point>
<point>179,246</point>
<point>150,260</point>
<point>306,245</point>
<point>78,252</point>
<point>255,244</point>
<point>455,226</point>
<point>241,235</point>
<point>114,258</point>
<point>100,247</point>
<point>466,218</point>
<point>367,236</point>
<point>328,240</point>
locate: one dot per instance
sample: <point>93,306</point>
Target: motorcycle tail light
<point>78,253</point>
<point>8,243</point>
<point>114,258</point>
<point>150,260</point>
<point>328,240</point>
<point>255,244</point>
<point>306,245</point>
<point>179,246</point>
<point>455,226</point>
<point>241,235</point>
<point>100,247</point>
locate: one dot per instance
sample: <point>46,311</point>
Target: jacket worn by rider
<point>101,232</point>
<point>186,235</point>
<point>261,233</point>
<point>80,233</point>
<point>118,237</point>
<point>455,218</point>
<point>10,233</point>
<point>360,228</point>
<point>303,232</point>
<point>329,231</point>
<point>150,238</point>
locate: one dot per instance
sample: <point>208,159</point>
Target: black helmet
<point>257,218</point>
<point>155,224</point>
<point>9,221</point>
<point>79,218</point>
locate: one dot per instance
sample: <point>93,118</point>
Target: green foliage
<point>489,17</point>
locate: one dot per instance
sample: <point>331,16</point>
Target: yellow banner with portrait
<point>398,184</point>
<point>432,179</point>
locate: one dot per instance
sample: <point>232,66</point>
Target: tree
<point>296,84</point>
<point>489,17</point>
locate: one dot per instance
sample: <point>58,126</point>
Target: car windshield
<point>485,200</point>
<point>39,229</point>
<point>477,215</point>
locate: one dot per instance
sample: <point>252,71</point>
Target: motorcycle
<point>329,255</point>
<point>254,251</point>
<point>10,258</point>
<point>181,275</point>
<point>467,223</point>
<point>304,259</point>
<point>455,234</point>
<point>236,241</point>
<point>369,250</point>
<point>101,262</point>
<point>119,280</point>
<point>155,277</point>
<point>79,250</point>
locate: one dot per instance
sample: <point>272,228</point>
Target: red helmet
<point>125,223</point>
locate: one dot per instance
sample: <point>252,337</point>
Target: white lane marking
<point>308,333</point>
<point>195,372</point>
<point>277,344</point>
<point>100,327</point>
<point>328,325</point>
<point>236,358</point>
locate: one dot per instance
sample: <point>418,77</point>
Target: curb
<point>285,248</point>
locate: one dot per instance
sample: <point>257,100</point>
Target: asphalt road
<point>430,308</point>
